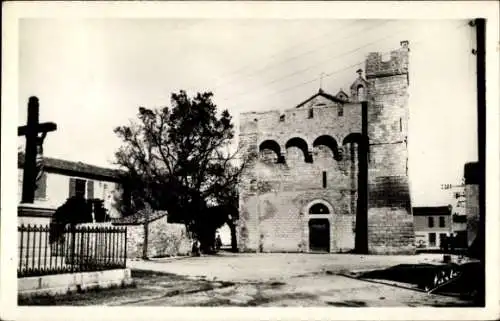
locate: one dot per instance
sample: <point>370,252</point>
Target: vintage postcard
<point>250,160</point>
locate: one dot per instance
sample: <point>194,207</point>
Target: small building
<point>432,225</point>
<point>62,179</point>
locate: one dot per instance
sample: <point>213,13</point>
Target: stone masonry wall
<point>164,239</point>
<point>472,211</point>
<point>275,194</point>
<point>390,222</point>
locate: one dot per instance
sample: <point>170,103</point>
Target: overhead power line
<point>322,62</point>
<point>270,65</point>
<point>238,71</point>
<point>329,74</point>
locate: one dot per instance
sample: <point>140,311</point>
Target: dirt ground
<point>274,266</point>
<point>316,290</point>
<point>278,280</point>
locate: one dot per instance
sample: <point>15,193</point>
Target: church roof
<point>321,93</point>
<point>342,95</point>
<point>75,168</point>
<point>360,81</point>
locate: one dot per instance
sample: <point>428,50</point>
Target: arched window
<point>302,145</point>
<point>353,138</point>
<point>319,208</point>
<point>273,147</point>
<point>330,142</point>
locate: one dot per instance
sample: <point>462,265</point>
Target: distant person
<point>195,250</point>
<point>218,242</point>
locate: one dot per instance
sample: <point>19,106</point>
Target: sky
<point>91,75</point>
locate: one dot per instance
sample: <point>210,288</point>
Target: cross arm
<point>41,128</point>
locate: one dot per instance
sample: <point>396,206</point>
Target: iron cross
<point>34,145</point>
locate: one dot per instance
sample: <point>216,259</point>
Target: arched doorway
<point>319,212</point>
<point>319,235</point>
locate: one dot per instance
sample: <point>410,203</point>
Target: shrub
<point>76,210</point>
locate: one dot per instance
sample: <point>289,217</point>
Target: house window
<point>432,239</point>
<point>80,185</point>
<point>90,189</point>
<point>441,221</point>
<point>430,221</point>
<point>282,117</point>
<point>324,179</point>
<point>77,187</point>
<point>340,111</point>
<point>311,113</point>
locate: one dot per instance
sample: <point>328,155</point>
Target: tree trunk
<point>145,244</point>
<point>234,241</point>
<point>207,241</point>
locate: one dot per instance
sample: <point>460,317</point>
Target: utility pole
<point>361,236</point>
<point>480,52</point>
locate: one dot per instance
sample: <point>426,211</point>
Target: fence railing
<point>77,249</point>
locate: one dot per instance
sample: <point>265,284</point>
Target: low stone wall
<point>34,214</point>
<point>164,239</point>
<point>72,282</point>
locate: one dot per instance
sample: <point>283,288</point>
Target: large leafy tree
<point>178,159</point>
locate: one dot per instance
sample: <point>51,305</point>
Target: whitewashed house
<point>432,225</point>
<point>62,179</point>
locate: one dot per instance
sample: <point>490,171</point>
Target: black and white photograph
<point>250,155</point>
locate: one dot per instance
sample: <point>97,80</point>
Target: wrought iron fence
<point>77,249</point>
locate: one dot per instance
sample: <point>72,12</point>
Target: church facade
<point>299,192</point>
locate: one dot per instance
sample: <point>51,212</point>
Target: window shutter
<point>90,189</point>
<point>72,187</point>
<point>41,188</point>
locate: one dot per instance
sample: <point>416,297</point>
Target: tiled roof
<point>76,168</point>
<point>140,217</point>
<point>434,210</point>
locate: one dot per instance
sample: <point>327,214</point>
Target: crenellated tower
<point>390,220</point>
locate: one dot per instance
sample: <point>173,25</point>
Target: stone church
<point>299,192</point>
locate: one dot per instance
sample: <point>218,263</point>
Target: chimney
<point>360,73</point>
